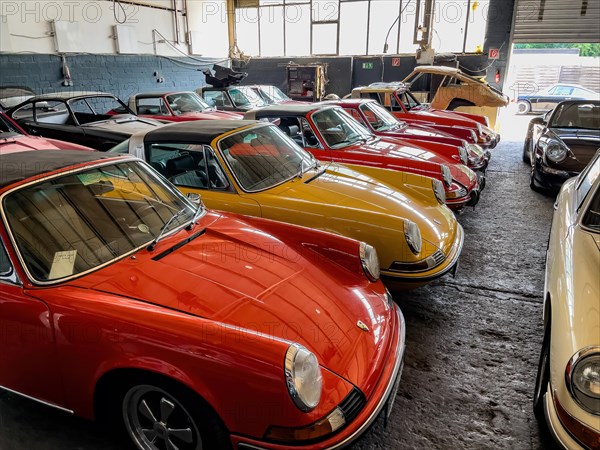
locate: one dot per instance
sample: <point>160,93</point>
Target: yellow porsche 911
<point>253,168</point>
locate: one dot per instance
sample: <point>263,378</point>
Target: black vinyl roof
<point>197,131</point>
<point>159,94</point>
<point>17,166</point>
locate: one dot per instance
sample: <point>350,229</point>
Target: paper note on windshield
<point>63,264</point>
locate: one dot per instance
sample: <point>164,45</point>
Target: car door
<point>195,168</point>
<point>28,360</point>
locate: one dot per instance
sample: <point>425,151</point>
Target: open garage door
<point>568,21</point>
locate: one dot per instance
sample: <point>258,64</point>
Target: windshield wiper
<point>162,231</point>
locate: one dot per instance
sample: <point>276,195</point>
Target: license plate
<point>392,398</point>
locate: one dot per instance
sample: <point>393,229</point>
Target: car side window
<point>24,113</point>
<point>6,269</point>
<point>181,164</point>
<point>310,139</point>
<point>563,90</point>
<point>151,107</point>
<point>53,112</point>
<point>291,127</point>
<point>591,219</point>
<point>216,98</point>
<point>217,179</point>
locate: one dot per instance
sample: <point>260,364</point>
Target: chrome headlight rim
<point>439,191</point>
<point>446,174</point>
<point>463,155</point>
<point>583,399</point>
<point>298,397</point>
<point>412,234</point>
<point>554,150</point>
<point>369,261</point>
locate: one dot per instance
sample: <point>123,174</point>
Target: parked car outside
<point>330,134</point>
<point>382,123</point>
<point>547,99</point>
<point>94,119</point>
<point>562,142</point>
<point>567,390</point>
<point>13,138</point>
<point>255,169</point>
<point>397,98</point>
<point>457,89</point>
<point>174,106</point>
<point>167,319</point>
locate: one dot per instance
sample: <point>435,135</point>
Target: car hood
<point>211,114</point>
<point>12,142</point>
<point>393,148</point>
<point>238,275</point>
<point>124,123</point>
<point>443,117</point>
<point>358,202</point>
<point>583,144</point>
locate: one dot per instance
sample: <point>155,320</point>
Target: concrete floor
<point>472,341</point>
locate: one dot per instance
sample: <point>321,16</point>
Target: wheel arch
<point>110,383</point>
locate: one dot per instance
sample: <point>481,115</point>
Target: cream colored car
<point>567,389</point>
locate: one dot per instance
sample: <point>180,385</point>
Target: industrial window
<point>355,27</point>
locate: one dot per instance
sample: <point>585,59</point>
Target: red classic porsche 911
<point>330,134</point>
<point>123,300</point>
<point>382,123</point>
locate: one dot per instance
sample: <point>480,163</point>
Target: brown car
<point>456,88</point>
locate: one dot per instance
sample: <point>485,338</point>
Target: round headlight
<point>463,155</point>
<point>475,151</point>
<point>439,191</point>
<point>555,152</point>
<point>583,379</point>
<point>413,236</point>
<point>303,377</point>
<point>369,261</point>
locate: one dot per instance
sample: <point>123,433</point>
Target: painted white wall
<point>89,26</point>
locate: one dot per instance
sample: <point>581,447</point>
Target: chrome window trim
<point>111,161</point>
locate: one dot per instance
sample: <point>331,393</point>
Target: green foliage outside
<point>584,49</point>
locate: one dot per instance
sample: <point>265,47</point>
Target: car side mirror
<point>194,198</point>
<point>546,116</point>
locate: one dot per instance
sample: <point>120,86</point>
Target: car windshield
<point>339,129</point>
<point>576,115</point>
<point>379,117</point>
<point>244,96</point>
<point>186,102</point>
<point>263,157</point>
<point>82,220</point>
<point>273,94</point>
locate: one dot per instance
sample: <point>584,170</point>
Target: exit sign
<point>367,65</point>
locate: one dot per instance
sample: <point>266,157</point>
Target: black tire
<point>523,107</point>
<point>190,423</point>
<point>543,376</point>
<point>457,103</point>
<point>526,150</point>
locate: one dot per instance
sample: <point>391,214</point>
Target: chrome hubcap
<point>156,421</point>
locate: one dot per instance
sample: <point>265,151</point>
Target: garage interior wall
<point>169,54</point>
<point>154,51</point>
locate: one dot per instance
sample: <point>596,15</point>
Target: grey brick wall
<point>122,75</point>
